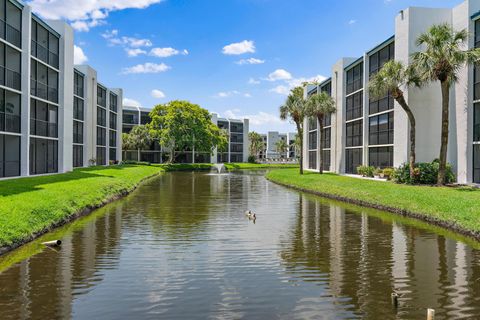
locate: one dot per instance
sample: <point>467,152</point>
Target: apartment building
<point>237,149</point>
<point>38,133</point>
<point>270,140</point>
<point>375,132</point>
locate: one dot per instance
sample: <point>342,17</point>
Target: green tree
<point>180,125</point>
<point>389,80</point>
<point>256,144</point>
<point>294,108</point>
<point>319,106</point>
<point>441,61</point>
<point>138,139</point>
<point>223,144</point>
<point>281,147</point>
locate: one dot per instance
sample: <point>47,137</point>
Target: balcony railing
<point>43,128</point>
<point>10,78</point>
<point>9,122</point>
<point>77,138</point>
<point>13,35</point>
<point>43,91</point>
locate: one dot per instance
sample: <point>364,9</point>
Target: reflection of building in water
<point>364,258</point>
<point>49,281</point>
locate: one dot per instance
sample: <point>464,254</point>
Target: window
<point>9,156</point>
<point>312,140</point>
<point>312,160</point>
<point>9,111</point>
<point>477,33</point>
<point>113,102</point>
<point>381,129</point>
<point>43,156</point>
<point>236,137</point>
<point>77,132</point>
<point>112,138</point>
<point>354,107</point>
<point>381,157</point>
<point>78,84</point>
<point>130,117</point>
<point>476,163</point>
<point>11,23</point>
<point>353,160</point>
<point>326,159</point>
<point>326,138</point>
<point>327,120</point>
<point>10,67</point>
<point>355,78</point>
<point>45,44</point>
<point>354,133</point>
<point>101,156</point>
<point>113,120</point>
<point>78,110</point>
<point>312,123</point>
<point>144,117</point>
<point>236,147</point>
<point>101,117</point>
<point>44,82</point>
<point>327,88</point>
<point>77,156</point>
<point>236,127</point>
<point>101,136</point>
<point>43,119</point>
<point>101,96</point>
<point>112,154</point>
<point>379,58</point>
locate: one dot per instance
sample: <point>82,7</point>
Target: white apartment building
<point>376,132</point>
<point>38,98</point>
<point>270,140</point>
<point>237,149</point>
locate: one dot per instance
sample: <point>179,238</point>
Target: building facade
<point>375,132</point>
<point>236,151</point>
<point>270,140</point>
<point>38,131</point>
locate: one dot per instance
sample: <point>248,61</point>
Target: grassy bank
<point>455,208</point>
<point>241,166</point>
<point>31,205</point>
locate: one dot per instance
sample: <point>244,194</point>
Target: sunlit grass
<point>460,206</point>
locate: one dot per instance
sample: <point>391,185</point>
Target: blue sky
<point>234,57</point>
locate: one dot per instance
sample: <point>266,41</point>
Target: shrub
<point>366,171</point>
<point>378,172</point>
<point>143,163</point>
<point>424,173</point>
<point>251,159</point>
<point>388,173</point>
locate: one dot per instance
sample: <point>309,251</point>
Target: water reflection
<point>180,247</point>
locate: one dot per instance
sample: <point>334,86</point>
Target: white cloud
<point>157,94</point>
<point>259,119</point>
<point>279,74</point>
<point>146,68</point>
<point>246,46</point>
<point>166,52</point>
<point>114,40</point>
<point>134,52</point>
<point>281,89</point>
<point>253,81</point>
<point>84,14</point>
<point>131,102</point>
<point>250,61</point>
<point>352,21</point>
<point>226,94</point>
<point>79,56</point>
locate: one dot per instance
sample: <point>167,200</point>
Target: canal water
<point>181,247</point>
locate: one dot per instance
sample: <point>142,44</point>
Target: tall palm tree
<point>319,106</point>
<point>281,146</point>
<point>388,80</point>
<point>294,108</point>
<point>441,61</point>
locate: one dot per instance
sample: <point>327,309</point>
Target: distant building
<point>270,140</point>
<point>236,151</point>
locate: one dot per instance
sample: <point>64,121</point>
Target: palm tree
<point>319,106</point>
<point>294,108</point>
<point>388,80</point>
<point>281,146</point>
<point>441,61</point>
<point>256,143</point>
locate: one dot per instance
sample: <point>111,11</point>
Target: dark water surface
<point>180,247</point>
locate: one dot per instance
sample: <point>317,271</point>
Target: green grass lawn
<point>29,205</point>
<point>459,206</point>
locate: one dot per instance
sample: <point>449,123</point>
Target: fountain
<point>219,168</point>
